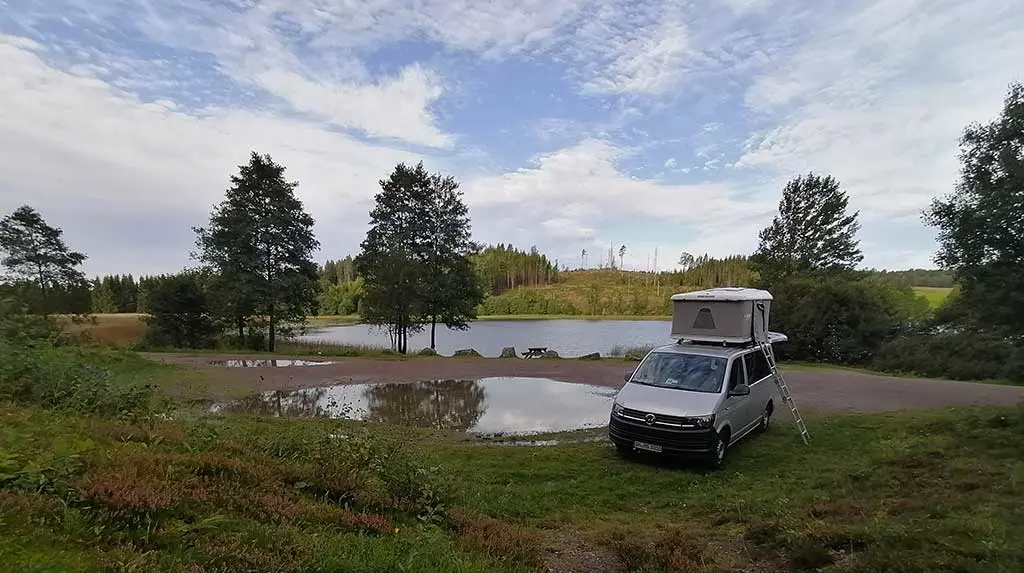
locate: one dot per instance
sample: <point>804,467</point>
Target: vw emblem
<point>649,418</point>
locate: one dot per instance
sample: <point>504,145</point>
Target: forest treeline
<point>500,268</point>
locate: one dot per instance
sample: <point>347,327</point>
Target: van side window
<point>737,375</point>
<point>757,366</point>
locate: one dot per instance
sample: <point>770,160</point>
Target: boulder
<point>467,352</point>
<point>591,356</point>
<point>551,354</point>
<point>427,352</point>
<point>509,352</point>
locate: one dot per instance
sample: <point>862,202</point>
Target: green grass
<point>920,492</point>
<point>934,295</point>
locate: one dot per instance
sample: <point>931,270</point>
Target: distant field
<point>934,295</point>
<point>117,329</point>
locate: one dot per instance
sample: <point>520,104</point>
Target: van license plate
<point>649,447</point>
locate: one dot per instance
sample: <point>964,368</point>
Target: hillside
<point>602,292</point>
<point>609,292</point>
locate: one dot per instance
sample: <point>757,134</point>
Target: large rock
<point>509,352</point>
<point>550,354</point>
<point>591,356</point>
<point>427,352</point>
<point>467,352</point>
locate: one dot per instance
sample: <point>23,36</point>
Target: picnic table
<point>535,352</point>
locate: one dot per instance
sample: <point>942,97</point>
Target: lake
<point>489,406</point>
<point>570,338</point>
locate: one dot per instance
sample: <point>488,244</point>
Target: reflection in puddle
<point>488,406</point>
<point>267,363</point>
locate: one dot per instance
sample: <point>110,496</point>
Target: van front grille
<point>691,440</point>
<point>660,419</point>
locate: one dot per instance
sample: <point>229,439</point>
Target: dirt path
<point>814,389</point>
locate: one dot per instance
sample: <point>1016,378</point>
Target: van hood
<point>668,401</point>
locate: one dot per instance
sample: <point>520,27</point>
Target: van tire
<point>766,417</point>
<point>720,449</point>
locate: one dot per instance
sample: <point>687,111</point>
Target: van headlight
<point>703,421</point>
<point>617,409</point>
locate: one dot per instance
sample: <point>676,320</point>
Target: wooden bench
<point>535,352</point>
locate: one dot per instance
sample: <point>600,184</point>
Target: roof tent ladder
<point>769,354</point>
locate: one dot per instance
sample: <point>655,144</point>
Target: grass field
<point>91,482</point>
<point>193,492</point>
<point>934,295</point>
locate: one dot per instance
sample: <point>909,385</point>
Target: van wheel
<point>720,449</point>
<point>766,417</point>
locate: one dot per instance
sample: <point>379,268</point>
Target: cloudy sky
<point>571,124</point>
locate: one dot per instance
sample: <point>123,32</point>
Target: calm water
<point>488,406</point>
<point>267,363</point>
<point>568,337</point>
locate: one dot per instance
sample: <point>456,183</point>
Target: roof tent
<point>729,315</point>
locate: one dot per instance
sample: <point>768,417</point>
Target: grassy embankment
<point>192,492</point>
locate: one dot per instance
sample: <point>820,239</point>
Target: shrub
<point>66,378</point>
<point>840,319</point>
<point>17,325</point>
<point>965,355</point>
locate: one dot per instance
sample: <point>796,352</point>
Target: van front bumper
<point>677,442</point>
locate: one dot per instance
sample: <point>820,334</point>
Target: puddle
<point>486,407</point>
<point>546,443</point>
<point>267,363</point>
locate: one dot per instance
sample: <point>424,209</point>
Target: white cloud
<point>80,149</point>
<point>584,185</point>
<point>568,229</point>
<point>878,97</point>
<point>652,62</point>
<point>395,108</point>
<point>133,113</point>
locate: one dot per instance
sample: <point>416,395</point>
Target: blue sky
<point>571,124</point>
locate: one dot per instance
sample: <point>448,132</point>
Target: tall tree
<point>35,256</point>
<point>981,237</point>
<point>449,285</point>
<point>686,261</point>
<point>260,243</point>
<point>622,255</point>
<point>811,232</point>
<point>388,259</point>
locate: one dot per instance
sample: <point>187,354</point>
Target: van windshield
<point>691,372</point>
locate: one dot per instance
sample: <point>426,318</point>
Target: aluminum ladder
<point>769,354</point>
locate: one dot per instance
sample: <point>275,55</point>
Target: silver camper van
<point>712,388</point>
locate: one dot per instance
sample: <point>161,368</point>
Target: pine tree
<point>36,258</point>
<point>260,243</point>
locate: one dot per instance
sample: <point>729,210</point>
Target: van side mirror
<point>628,375</point>
<point>740,390</point>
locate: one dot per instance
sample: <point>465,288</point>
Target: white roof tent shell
<point>728,316</point>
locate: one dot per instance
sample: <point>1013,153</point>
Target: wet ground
<point>813,389</point>
<point>488,406</point>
